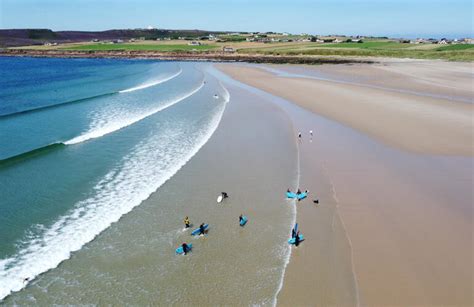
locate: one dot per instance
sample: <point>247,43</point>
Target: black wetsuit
<point>185,248</point>
<point>201,229</point>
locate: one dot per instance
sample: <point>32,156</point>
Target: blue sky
<point>395,18</point>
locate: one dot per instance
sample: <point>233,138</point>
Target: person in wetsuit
<point>201,229</point>
<point>185,248</point>
<point>297,239</point>
<point>187,223</point>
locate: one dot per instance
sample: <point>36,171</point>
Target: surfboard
<point>179,250</point>
<point>220,198</point>
<point>243,221</point>
<point>302,196</point>
<point>293,240</point>
<point>196,231</point>
<point>290,195</point>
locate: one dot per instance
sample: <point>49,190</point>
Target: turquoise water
<point>85,141</point>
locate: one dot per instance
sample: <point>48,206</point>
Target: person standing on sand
<point>297,239</point>
<point>187,223</point>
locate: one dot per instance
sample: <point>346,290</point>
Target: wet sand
<point>393,211</point>
<point>415,123</point>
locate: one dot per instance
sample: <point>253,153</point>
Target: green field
<point>372,49</point>
<point>141,47</point>
<point>456,47</point>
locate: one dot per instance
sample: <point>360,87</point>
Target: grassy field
<point>372,49</point>
<point>140,47</point>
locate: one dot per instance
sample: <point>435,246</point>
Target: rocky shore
<point>182,56</point>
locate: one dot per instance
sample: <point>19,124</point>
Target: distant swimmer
<point>311,133</point>
<point>316,201</point>
<point>187,223</point>
<point>25,280</point>
<point>216,96</point>
<point>299,135</point>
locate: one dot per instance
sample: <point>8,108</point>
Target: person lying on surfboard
<point>187,223</point>
<point>298,192</point>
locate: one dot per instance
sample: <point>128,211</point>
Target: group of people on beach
<point>202,228</point>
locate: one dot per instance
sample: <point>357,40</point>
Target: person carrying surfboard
<point>297,239</point>
<point>187,223</point>
<point>240,218</point>
<point>185,248</point>
<point>201,229</point>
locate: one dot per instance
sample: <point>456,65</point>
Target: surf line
<point>93,215</point>
<point>112,127</point>
<point>151,83</point>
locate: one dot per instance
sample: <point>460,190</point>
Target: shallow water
<point>99,218</point>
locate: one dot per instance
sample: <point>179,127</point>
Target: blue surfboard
<point>302,196</point>
<point>243,221</point>
<point>293,240</point>
<point>179,250</point>
<point>290,195</point>
<point>197,231</point>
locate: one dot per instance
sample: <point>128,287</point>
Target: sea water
<point>88,143</point>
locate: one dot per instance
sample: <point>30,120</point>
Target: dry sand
<point>394,227</point>
<point>415,123</point>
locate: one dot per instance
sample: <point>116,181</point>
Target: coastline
<point>186,56</point>
<point>398,247</point>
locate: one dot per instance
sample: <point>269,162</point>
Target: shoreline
<point>395,246</point>
<point>184,56</point>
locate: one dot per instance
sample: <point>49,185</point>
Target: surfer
<point>298,192</point>
<point>311,133</point>
<point>240,218</point>
<point>201,229</point>
<point>187,223</point>
<point>185,248</point>
<point>299,135</point>
<point>293,233</point>
<point>25,280</point>
<point>224,195</point>
<point>297,239</point>
<point>288,191</point>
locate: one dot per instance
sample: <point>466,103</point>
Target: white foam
<point>143,171</point>
<point>151,83</point>
<point>105,126</point>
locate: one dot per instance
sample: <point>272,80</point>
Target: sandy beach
<point>418,124</point>
<point>391,164</point>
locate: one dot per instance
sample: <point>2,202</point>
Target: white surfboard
<point>219,198</point>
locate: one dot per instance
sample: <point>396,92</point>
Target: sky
<point>394,18</point>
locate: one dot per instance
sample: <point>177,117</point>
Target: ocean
<point>100,160</point>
